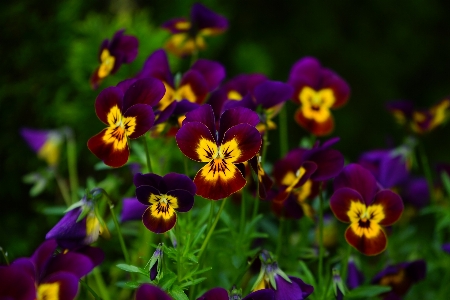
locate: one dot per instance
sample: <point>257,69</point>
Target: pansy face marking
<point>162,206</point>
<point>119,128</point>
<point>107,63</point>
<point>364,220</point>
<point>48,291</point>
<point>316,104</point>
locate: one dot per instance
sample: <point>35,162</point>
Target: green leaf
<point>54,210</point>
<point>132,269</point>
<point>199,234</point>
<point>168,280</point>
<point>177,293</point>
<point>192,258</point>
<point>446,181</point>
<point>193,282</point>
<point>237,260</point>
<point>307,275</point>
<point>367,291</point>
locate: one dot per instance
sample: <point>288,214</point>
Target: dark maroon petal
<point>184,198</point>
<point>157,65</point>
<point>202,18</point>
<point>166,113</point>
<point>193,87</point>
<point>329,162</point>
<point>144,91</point>
<point>107,99</point>
<point>191,139</point>
<point>175,181</point>
<point>67,284</point>
<point>308,67</point>
<point>143,118</point>
<point>128,46</point>
<point>217,293</point>
<point>340,88</point>
<point>235,116</point>
<point>368,246</point>
<point>150,179</point>
<point>270,93</point>
<point>143,193</point>
<point>16,284</point>
<point>106,152</point>
<point>356,177</point>
<point>132,210</point>
<point>151,292</point>
<point>71,262</point>
<point>43,253</point>
<point>217,100</point>
<point>392,206</point>
<point>213,72</point>
<point>125,84</point>
<point>158,224</point>
<point>247,102</point>
<point>95,80</point>
<point>204,114</point>
<point>341,200</point>
<point>264,294</point>
<point>316,128</point>
<point>290,163</point>
<point>184,106</point>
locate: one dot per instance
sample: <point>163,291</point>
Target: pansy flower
<point>419,120</point>
<point>151,292</point>
<point>219,293</point>
<point>236,141</point>
<point>46,143</point>
<point>285,287</point>
<point>355,277</point>
<point>80,226</point>
<point>203,77</point>
<point>300,165</point>
<point>121,49</point>
<point>164,196</point>
<point>317,90</point>
<point>127,110</point>
<point>400,277</point>
<point>132,210</point>
<point>48,274</point>
<point>358,200</point>
<point>188,35</point>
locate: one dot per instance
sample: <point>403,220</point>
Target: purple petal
<point>247,102</point>
<point>157,65</point>
<point>16,283</point>
<point>144,91</point>
<point>184,198</point>
<point>106,100</point>
<point>202,18</point>
<point>356,177</point>
<point>446,247</point>
<point>329,164</point>
<point>270,93</point>
<point>264,294</point>
<point>175,181</point>
<point>213,72</point>
<point>71,262</point>
<point>355,277</point>
<point>132,210</point>
<point>126,84</point>
<point>96,255</point>
<point>416,192</point>
<point>149,179</point>
<point>235,116</point>
<point>128,46</point>
<point>166,113</point>
<point>217,293</point>
<point>151,292</point>
<point>143,193</point>
<point>184,106</point>
<point>297,290</point>
<point>204,114</point>
<point>42,254</point>
<point>67,284</point>
<point>35,138</point>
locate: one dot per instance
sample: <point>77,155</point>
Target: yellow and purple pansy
<point>46,143</point>
<point>236,141</point>
<point>188,35</point>
<point>121,49</point>
<point>164,196</point>
<point>48,274</point>
<point>419,121</point>
<point>317,90</point>
<point>359,200</point>
<point>127,110</point>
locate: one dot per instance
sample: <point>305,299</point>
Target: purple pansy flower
<point>151,292</point>
<point>219,293</point>
<point>400,277</point>
<point>112,54</point>
<point>164,196</point>
<point>46,143</point>
<point>355,277</point>
<point>358,200</point>
<point>188,35</point>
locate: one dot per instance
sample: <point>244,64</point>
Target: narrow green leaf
<point>177,293</point>
<point>446,181</point>
<point>367,291</point>
<point>193,282</point>
<point>132,269</point>
<point>54,210</point>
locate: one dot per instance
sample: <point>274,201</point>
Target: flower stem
<point>211,229</point>
<point>147,154</point>
<point>94,294</point>
<point>282,120</point>
<point>280,237</point>
<point>321,247</point>
<point>64,189</point>
<point>426,170</point>
<point>344,268</point>
<point>101,284</point>
<point>242,222</point>
<point>5,255</point>
<point>72,165</point>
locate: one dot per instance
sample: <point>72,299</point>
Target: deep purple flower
<point>400,277</point>
<point>80,226</point>
<point>132,210</point>
<point>188,35</point>
<point>112,54</point>
<point>300,165</point>
<point>46,143</point>
<point>317,90</point>
<point>151,292</point>
<point>285,287</point>
<point>48,274</point>
<point>358,200</point>
<point>219,293</point>
<point>164,196</point>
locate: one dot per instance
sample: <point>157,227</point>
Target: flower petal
<point>217,293</point>
<point>340,88</point>
<point>264,294</point>
<point>145,194</point>
<point>175,181</point>
<point>311,125</point>
<point>329,162</point>
<point>196,142</point>
<point>158,221</point>
<point>213,72</point>
<point>184,199</point>
<point>151,292</point>
<point>270,93</point>
<point>144,91</point>
<point>137,120</point>
<point>71,262</point>
<point>240,143</point>
<point>150,179</point>
<point>368,246</point>
<point>113,152</point>
<point>204,114</point>
<point>63,285</point>
<point>341,200</point>
<point>392,206</point>
<point>16,283</point>
<point>106,100</point>
<point>157,66</point>
<point>193,87</point>
<point>235,116</point>
<point>132,209</point>
<point>358,178</point>
<point>218,180</point>
<point>204,18</point>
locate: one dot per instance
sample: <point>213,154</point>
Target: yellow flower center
<point>316,104</point>
<point>107,63</point>
<point>364,220</point>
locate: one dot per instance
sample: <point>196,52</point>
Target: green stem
<point>265,144</point>
<point>72,165</point>
<point>282,123</point>
<point>178,237</point>
<point>321,247</point>
<point>426,170</point>
<point>64,189</point>
<point>344,268</point>
<point>211,213</point>
<point>147,154</point>
<point>101,284</point>
<point>280,237</point>
<point>211,229</point>
<point>242,222</point>
<point>186,167</point>
<point>83,283</point>
<point>5,255</point>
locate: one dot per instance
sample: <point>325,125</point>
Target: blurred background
<point>49,50</point>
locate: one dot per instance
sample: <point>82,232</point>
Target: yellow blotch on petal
<point>291,179</point>
<point>183,25</point>
<point>206,150</point>
<point>230,151</point>
<point>162,206</point>
<point>364,220</point>
<point>393,279</point>
<point>50,151</point>
<point>218,169</point>
<point>119,128</point>
<point>234,95</point>
<point>107,63</point>
<point>168,98</point>
<point>185,92</point>
<point>316,104</point>
<point>48,291</point>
